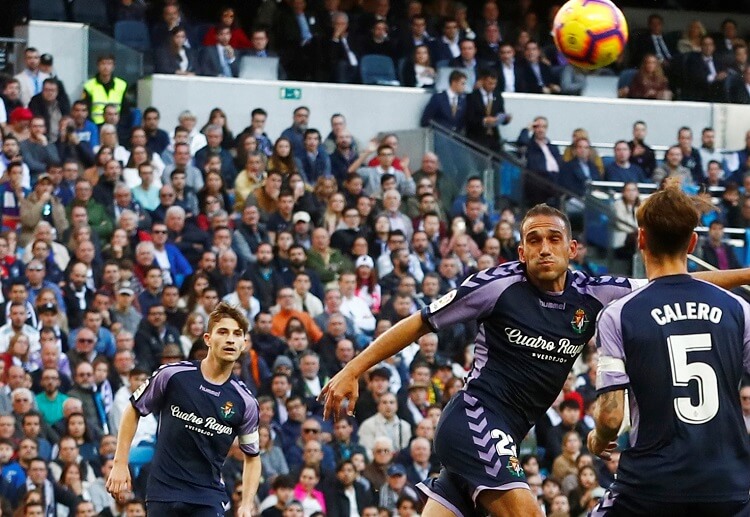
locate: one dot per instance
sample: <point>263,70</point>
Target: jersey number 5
<point>683,372</point>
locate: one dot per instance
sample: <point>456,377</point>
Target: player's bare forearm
<point>609,413</point>
<point>391,342</point>
<point>727,279</point>
<point>128,426</point>
<point>345,384</point>
<point>251,470</point>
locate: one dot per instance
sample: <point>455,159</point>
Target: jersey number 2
<point>683,372</point>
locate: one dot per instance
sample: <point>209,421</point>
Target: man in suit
<point>536,75</point>
<point>488,48</point>
<point>449,107</point>
<point>740,91</point>
<point>485,112</point>
<point>416,35</point>
<point>705,74</point>
<point>220,60</point>
<point>446,46</point>
<point>297,33</point>
<point>510,78</point>
<point>343,61</point>
<point>468,56</point>
<point>543,158</point>
<point>653,42</point>
<point>717,252</point>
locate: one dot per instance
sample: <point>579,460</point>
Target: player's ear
<point>245,343</point>
<point>521,255</point>
<point>206,338</point>
<point>573,249</point>
<point>693,242</point>
<point>641,239</point>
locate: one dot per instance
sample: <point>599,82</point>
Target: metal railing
<point>9,51</point>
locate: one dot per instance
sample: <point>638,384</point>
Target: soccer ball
<point>590,33</point>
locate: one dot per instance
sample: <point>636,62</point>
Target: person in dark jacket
<point>716,251</point>
<point>337,500</point>
<point>152,336</point>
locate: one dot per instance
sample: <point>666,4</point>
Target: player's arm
<point>251,469</point>
<point>608,415</point>
<point>119,479</point>
<point>727,279</point>
<point>345,384</point>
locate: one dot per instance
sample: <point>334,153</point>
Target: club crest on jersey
<point>227,410</point>
<point>514,467</point>
<point>580,321</point>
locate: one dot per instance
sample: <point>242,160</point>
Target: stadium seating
<point>92,12</point>
<point>377,69</point>
<point>133,34</point>
<point>52,10</point>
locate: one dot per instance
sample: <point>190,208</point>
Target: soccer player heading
<point>679,346</point>
<point>534,317</point>
<point>203,408</point>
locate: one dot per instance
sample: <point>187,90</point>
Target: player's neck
<point>664,266</point>
<point>215,371</point>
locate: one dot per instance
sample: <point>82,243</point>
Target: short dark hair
<point>456,75</point>
<point>543,209</point>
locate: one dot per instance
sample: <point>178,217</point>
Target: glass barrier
<point>129,61</point>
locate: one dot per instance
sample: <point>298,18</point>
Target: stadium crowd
<point>119,239</point>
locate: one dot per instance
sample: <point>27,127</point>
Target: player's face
<point>546,250</point>
<point>226,341</point>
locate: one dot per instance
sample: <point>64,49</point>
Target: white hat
<point>364,260</point>
<point>300,216</point>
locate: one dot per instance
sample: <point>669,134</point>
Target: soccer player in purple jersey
<point>535,316</point>
<point>679,346</point>
<point>202,408</point>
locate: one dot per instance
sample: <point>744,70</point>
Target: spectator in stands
<point>691,157</point>
<point>342,58</point>
<point>485,111</point>
<point>297,35</point>
<point>315,162</point>
<point>650,82</point>
<point>220,59</point>
<point>214,136</point>
<point>576,174</point>
<point>705,74</point>
<point>716,251</point>
<point>51,105</point>
<point>673,167</point>
<point>174,56</point>
<point>238,38</point>
<point>640,153</point>
<point>653,42</point>
<point>385,423</point>
<point>537,75</point>
<point>259,44</point>
<point>446,46</point>
<point>84,129</point>
<point>467,57</point>
<point>691,39</point>
<point>740,90</point>
<point>622,169</point>
<point>708,152</point>
<point>488,46</point>
<point>30,79</point>
<point>419,70</point>
<point>449,107</point>
<point>739,62</point>
<point>340,493</point>
<point>542,157</point>
<point>103,89</point>
<point>396,488</point>
<point>157,140</point>
<point>41,205</point>
<point>626,227</point>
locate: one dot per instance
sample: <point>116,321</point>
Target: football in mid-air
<point>590,33</point>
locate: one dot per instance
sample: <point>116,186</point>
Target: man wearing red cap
<point>19,119</point>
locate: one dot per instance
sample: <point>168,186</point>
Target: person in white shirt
<point>31,78</point>
<point>304,300</point>
<point>353,307</point>
<point>146,431</point>
<point>16,324</point>
<point>243,298</point>
<point>385,423</point>
<point>708,150</point>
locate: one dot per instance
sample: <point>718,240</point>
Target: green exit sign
<point>294,94</point>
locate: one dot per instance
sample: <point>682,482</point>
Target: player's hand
<point>599,447</point>
<point>119,482</point>
<point>245,510</point>
<point>342,386</point>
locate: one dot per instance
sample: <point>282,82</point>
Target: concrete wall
<point>373,109</point>
<point>68,44</point>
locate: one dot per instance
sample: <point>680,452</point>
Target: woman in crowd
<point>650,81</point>
<point>580,497</point>
<point>323,189</point>
<point>239,39</point>
<point>282,159</point>
<point>103,155</point>
<point>367,288</point>
<point>213,196</point>
<point>247,145</point>
<point>418,72</point>
<point>312,500</point>
<point>118,247</point>
<point>379,237</point>
<point>691,38</point>
<point>194,288</point>
<point>565,464</point>
<point>508,243</point>
<point>626,227</point>
<point>333,217</point>
<point>219,118</point>
<point>19,354</point>
<point>195,326</point>
<point>77,428</point>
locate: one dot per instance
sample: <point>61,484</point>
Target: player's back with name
<point>686,344</point>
